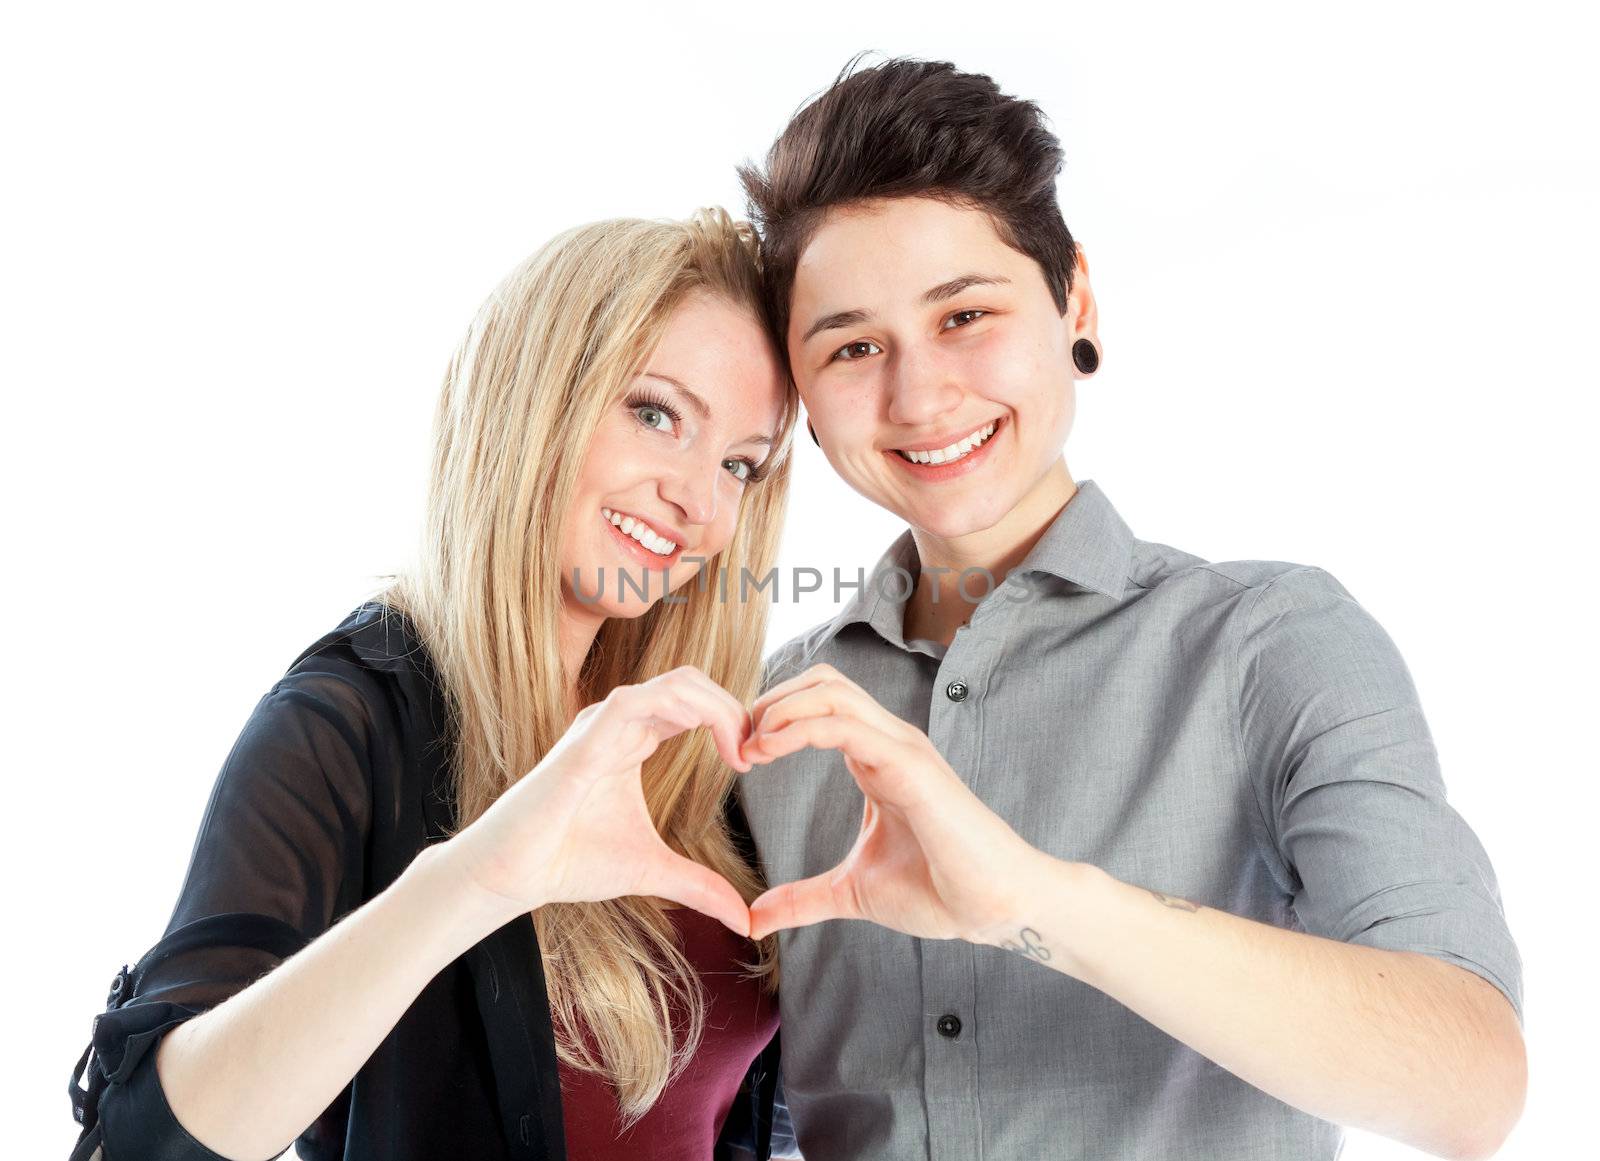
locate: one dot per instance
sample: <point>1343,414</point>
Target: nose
<point>921,388</point>
<point>692,490</point>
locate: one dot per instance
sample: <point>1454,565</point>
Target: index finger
<point>724,715</point>
<point>813,676</point>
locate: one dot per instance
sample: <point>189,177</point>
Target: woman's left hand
<point>931,859</point>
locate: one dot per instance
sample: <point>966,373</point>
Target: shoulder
<point>371,671</point>
<point>1293,633</point>
<point>373,638</point>
<point>800,652</point>
<point>1274,591</point>
<point>1298,627</point>
<point>1171,572</point>
<point>1252,606</point>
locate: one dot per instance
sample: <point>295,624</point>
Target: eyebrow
<point>701,406</point>
<point>945,290</point>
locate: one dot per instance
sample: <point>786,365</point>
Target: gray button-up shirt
<point>1241,734</point>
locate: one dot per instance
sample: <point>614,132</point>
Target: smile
<point>953,452</point>
<point>952,461</point>
<point>635,529</point>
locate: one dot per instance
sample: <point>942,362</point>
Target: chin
<point>947,529</point>
<point>610,608</point>
<point>949,522</point>
<point>623,600</point>
<point>624,610</point>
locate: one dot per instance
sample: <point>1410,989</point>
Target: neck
<point>578,628</point>
<point>937,607</point>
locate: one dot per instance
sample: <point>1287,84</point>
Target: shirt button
<point>949,1026</point>
<point>956,691</point>
<point>117,984</point>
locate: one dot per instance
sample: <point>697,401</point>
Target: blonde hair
<point>554,347</point>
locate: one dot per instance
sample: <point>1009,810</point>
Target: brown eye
<point>855,350</point>
<point>969,316</point>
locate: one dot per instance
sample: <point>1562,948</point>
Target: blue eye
<point>653,417</point>
<point>655,413</point>
<point>753,473</point>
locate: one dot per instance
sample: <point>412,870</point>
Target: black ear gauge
<point>1085,357</point>
<point>813,432</point>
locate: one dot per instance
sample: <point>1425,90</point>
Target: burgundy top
<point>740,1019</point>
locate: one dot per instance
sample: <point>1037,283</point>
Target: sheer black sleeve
<point>279,857</point>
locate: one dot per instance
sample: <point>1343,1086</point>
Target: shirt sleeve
<point>278,857</point>
<point>784,1143</point>
<point>1349,785</point>
<point>758,1124</point>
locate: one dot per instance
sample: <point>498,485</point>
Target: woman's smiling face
<point>669,464</point>
<point>933,361</point>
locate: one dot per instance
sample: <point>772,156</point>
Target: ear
<point>1082,316</point>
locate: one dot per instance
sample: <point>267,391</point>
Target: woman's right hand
<point>576,828</point>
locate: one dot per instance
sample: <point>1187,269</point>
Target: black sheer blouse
<point>338,780</point>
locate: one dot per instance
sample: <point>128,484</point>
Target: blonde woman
<point>469,883</point>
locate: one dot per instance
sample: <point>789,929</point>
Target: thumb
<point>800,903</point>
<point>686,881</point>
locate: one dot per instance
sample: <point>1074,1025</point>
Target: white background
<point>1345,258</point>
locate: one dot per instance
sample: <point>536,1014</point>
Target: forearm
<point>1395,1042</point>
<point>247,1077</point>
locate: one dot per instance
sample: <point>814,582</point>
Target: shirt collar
<point>1088,544</point>
<point>385,638</point>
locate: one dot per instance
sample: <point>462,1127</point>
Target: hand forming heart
<point>575,828</point>
<point>931,859</point>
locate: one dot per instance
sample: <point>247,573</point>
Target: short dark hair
<point>910,128</point>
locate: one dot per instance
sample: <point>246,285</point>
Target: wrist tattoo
<point>1173,901</point>
<point>1028,944</point>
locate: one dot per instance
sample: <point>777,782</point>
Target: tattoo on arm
<point>1173,901</point>
<point>1028,944</point>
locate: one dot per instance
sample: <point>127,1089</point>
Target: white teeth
<point>641,532</point>
<point>955,451</point>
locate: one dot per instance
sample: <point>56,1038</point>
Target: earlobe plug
<point>813,430</point>
<point>1085,357</point>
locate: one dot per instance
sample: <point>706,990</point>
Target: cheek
<point>721,530</point>
<point>615,461</point>
<point>717,537</point>
<point>623,452</point>
<point>607,447</point>
<point>843,399</point>
<point>1009,372</point>
<point>1032,380</point>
